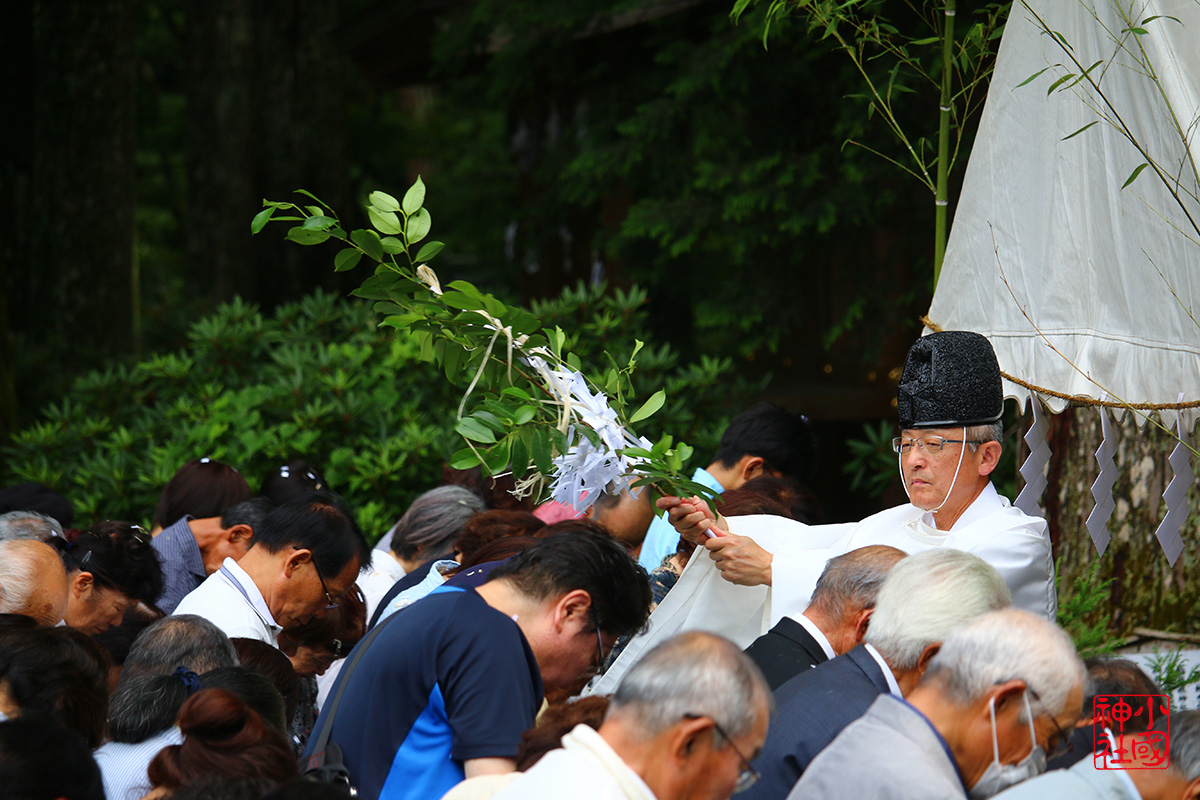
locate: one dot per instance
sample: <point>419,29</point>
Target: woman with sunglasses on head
<point>111,567</point>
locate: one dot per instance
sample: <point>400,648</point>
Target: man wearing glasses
<point>996,702</point>
<point>684,724</point>
<point>306,556</point>
<point>950,402</point>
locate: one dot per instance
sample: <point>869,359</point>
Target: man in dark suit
<point>834,622</point>
<point>924,597</point>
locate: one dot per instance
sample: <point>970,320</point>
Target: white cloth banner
<point>1110,277</point>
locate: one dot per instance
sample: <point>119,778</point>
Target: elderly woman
<point>422,537</point>
<point>111,567</point>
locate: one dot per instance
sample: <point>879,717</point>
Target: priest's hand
<point>692,518</point>
<point>740,560</point>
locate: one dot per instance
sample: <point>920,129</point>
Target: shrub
<point>319,380</point>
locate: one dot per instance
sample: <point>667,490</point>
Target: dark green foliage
<point>1083,610</point>
<point>317,379</point>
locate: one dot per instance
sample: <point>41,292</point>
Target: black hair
<point>292,482</point>
<point>780,438</point>
<point>271,663</point>
<point>202,488</point>
<point>118,556</point>
<point>59,673</point>
<point>42,760</point>
<point>584,559</point>
<point>321,523</point>
<point>252,512</point>
<point>252,689</point>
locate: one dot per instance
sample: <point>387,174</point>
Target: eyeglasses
<point>330,603</point>
<point>1064,744</point>
<point>747,776</point>
<point>926,444</point>
<point>599,641</point>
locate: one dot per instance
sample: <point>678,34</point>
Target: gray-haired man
<point>1002,692</point>
<point>683,725</point>
<point>834,622</point>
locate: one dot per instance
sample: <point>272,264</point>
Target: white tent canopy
<point>1108,278</point>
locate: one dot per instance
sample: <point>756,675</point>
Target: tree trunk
<point>1146,589</point>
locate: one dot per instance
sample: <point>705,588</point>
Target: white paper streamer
<point>1097,521</point>
<point>1034,468</point>
<point>1175,495</point>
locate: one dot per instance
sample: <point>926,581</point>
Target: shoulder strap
<point>321,740</point>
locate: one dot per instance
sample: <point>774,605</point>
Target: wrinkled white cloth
<point>1096,267</point>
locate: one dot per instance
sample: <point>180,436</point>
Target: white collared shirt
<point>123,766</point>
<point>230,600</point>
<point>893,685</point>
<point>816,633</point>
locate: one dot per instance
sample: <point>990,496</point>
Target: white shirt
<point>123,766</point>
<point>586,768</point>
<point>815,632</point>
<point>893,685</point>
<point>230,600</point>
<point>381,576</point>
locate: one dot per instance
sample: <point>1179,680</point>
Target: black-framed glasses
<point>926,444</point>
<point>747,775</point>
<point>330,603</point>
<point>599,641</point>
<point>1064,744</point>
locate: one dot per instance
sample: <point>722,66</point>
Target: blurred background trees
<point>652,142</point>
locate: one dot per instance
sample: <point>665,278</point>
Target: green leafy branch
<point>527,408</point>
<point>958,68</point>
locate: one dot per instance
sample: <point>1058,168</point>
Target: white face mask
<point>998,777</point>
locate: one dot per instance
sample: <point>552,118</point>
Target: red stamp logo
<point>1122,722</point>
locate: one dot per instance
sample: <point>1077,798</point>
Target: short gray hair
<point>17,578</point>
<point>20,572</point>
<point>28,525</point>
<point>1184,749</point>
<point>1006,645</point>
<point>993,432</point>
<point>184,640</point>
<point>434,521</point>
<point>850,582</point>
<point>692,673</point>
<point>926,596</point>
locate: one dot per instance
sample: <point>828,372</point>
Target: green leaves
<point>384,221</point>
<point>346,259</point>
<point>418,226</point>
<point>649,407</point>
<point>369,242</point>
<point>475,430</point>
<point>1133,175</point>
<point>414,198</point>
<point>261,219</point>
<point>384,202</point>
<point>428,251</point>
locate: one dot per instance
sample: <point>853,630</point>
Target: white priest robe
<point>1016,544</point>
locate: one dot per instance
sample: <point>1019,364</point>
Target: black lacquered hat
<point>951,379</point>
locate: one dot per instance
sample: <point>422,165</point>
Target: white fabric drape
<point>1082,256</point>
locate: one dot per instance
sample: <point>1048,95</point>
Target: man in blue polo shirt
<point>449,684</point>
